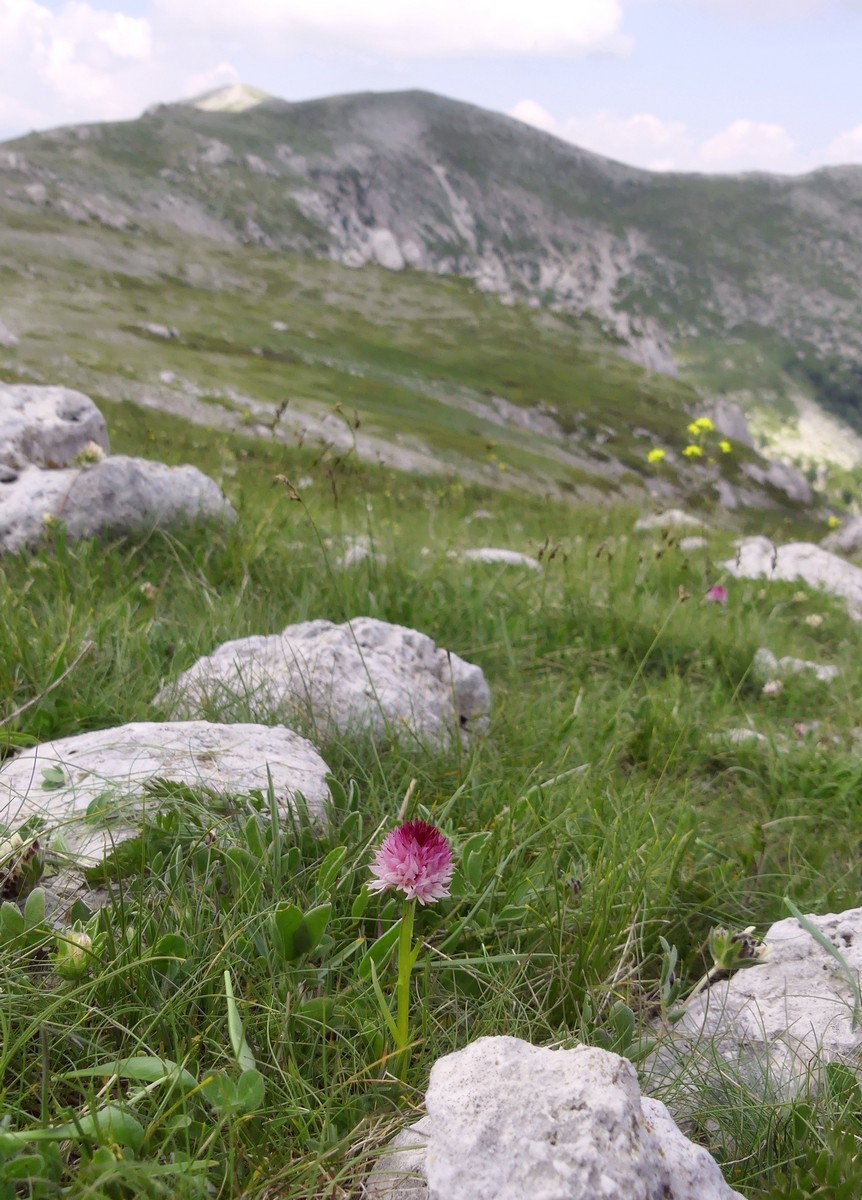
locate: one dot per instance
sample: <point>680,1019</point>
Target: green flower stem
<point>405,967</point>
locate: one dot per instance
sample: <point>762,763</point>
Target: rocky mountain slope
<point>670,263</point>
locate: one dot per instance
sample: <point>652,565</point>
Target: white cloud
<point>846,148</point>
<point>645,140</point>
<point>70,63</point>
<point>748,145</point>
<point>223,75</point>
<point>422,28</point>
<point>532,113</point>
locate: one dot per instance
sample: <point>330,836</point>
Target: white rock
<point>775,1022</point>
<point>511,1121</point>
<point>357,550</point>
<point>847,539</point>
<point>738,737</point>
<point>8,339</point>
<point>767,666</point>
<point>154,329</point>
<point>490,554</point>
<point>671,518</point>
<point>117,494</point>
<point>385,249</point>
<point>47,426</point>
<point>280,326</point>
<point>759,558</point>
<point>364,674</point>
<point>688,544</point>
<point>116,764</point>
<point>781,476</point>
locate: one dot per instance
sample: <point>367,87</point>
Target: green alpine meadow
<point>244,996</point>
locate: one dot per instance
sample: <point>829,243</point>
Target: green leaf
<point>220,1091</point>
<point>254,838</point>
<point>379,951</point>
<point>140,1069</point>
<point>359,905</point>
<point>241,1049</point>
<point>298,933</point>
<point>24,1166</point>
<point>173,946</point>
<point>385,1010</point>
<point>11,920</point>
<point>34,909</point>
<point>53,777</point>
<point>107,1125</point>
<point>330,867</point>
<point>250,1090</point>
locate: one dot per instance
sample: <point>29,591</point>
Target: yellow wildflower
<point>725,446</point>
<point>693,452</point>
<point>704,425</point>
<point>655,455</point>
<point>833,522</point>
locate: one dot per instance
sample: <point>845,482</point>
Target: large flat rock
<point>118,494</point>
<point>47,426</point>
<point>759,558</point>
<point>364,675</point>
<point>770,1026</point>
<point>115,766</point>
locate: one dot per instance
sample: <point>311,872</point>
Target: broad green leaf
<point>250,1090</point>
<point>298,933</point>
<point>108,1124</point>
<point>241,1049</point>
<point>330,867</point>
<point>359,905</point>
<point>172,945</point>
<point>220,1091</point>
<point>34,909</point>
<point>140,1069</point>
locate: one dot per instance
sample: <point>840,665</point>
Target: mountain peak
<point>233,97</point>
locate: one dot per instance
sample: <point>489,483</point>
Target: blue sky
<point>707,85</point>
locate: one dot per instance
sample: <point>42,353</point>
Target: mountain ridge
<point>746,284</point>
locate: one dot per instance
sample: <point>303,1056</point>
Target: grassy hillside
<point>674,265</point>
<point>405,368</point>
<point>598,816</point>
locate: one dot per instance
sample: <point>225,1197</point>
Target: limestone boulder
<point>759,558</point>
<point>364,675</point>
<point>46,426</point>
<point>767,666</point>
<point>670,518</point>
<point>847,539</point>
<point>772,1025</point>
<point>782,477</point>
<point>493,554</point>
<point>507,1121</point>
<point>60,780</point>
<point>118,494</point>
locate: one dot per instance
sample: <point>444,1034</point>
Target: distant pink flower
<point>416,859</point>
<point>717,594</point>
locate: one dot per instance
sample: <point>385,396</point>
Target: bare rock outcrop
<point>60,781</point>
<point>363,675</point>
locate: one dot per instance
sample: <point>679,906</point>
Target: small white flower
<point>773,687</point>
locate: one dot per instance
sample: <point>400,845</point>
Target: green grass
<point>554,929</point>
